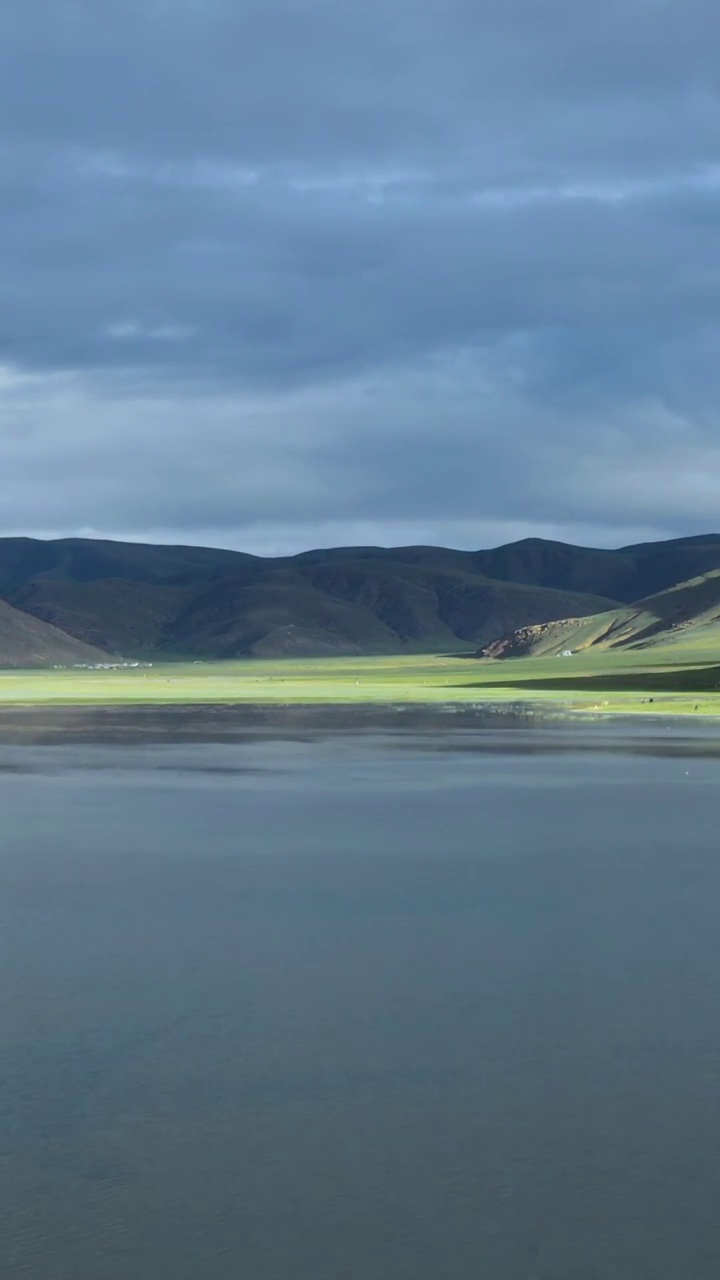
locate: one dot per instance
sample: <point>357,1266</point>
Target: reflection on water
<point>396,996</point>
<point>452,727</point>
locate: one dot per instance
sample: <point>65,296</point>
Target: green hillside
<point>686,615</point>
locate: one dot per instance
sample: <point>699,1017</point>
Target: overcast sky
<point>288,273</point>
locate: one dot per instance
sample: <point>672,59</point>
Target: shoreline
<point>167,721</point>
<point>548,705</point>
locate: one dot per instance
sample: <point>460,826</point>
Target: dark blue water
<point>419,1006</point>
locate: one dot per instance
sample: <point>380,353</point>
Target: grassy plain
<point>673,678</point>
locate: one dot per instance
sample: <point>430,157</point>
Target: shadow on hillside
<point>692,681</point>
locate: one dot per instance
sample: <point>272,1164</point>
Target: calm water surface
<point>415,1001</point>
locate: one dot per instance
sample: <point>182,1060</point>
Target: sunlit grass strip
<point>686,677</point>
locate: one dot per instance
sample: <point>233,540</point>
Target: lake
<point>300,996</point>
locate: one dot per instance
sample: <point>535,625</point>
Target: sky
<point>279,274</point>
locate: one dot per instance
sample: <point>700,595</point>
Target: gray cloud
<point>437,269</point>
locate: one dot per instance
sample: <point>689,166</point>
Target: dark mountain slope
<point>276,614</point>
<point>615,574</point>
<point>418,602</point>
<point>119,616</point>
<point>352,608</point>
<point>625,575</point>
<point>88,560</point>
<point>27,642</point>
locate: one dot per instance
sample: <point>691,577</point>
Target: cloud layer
<point>285,272</point>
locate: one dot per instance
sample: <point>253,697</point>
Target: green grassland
<point>674,678</point>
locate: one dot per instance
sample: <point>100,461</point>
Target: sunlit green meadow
<point>673,679</point>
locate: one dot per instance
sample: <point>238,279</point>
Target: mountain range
<point>79,600</point>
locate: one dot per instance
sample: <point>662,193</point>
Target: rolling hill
<point>687,613</point>
<point>148,601</point>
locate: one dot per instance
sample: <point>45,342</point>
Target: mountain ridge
<point>169,601</point>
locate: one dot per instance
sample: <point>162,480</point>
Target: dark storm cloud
<point>301,264</point>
